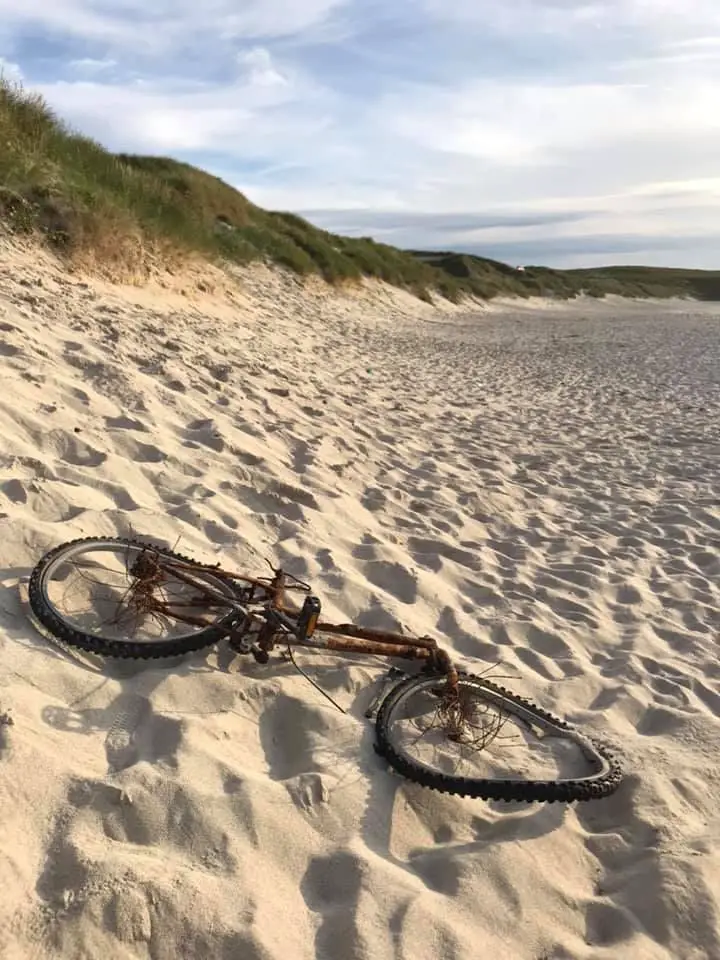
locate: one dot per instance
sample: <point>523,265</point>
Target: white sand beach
<point>538,486</point>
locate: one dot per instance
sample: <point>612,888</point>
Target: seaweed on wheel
<point>48,615</point>
<point>604,781</point>
<point>470,723</point>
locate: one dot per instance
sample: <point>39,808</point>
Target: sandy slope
<point>539,488</point>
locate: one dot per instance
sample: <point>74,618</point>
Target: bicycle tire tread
<point>121,649</point>
<point>529,791</point>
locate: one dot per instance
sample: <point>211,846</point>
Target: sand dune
<point>540,488</point>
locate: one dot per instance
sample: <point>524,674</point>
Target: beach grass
<point>123,211</point>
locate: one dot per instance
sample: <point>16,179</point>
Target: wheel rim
<point>495,742</point>
<point>88,587</point>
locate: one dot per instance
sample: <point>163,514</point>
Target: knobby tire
<point>104,646</point>
<point>600,784</point>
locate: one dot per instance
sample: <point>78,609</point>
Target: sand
<point>537,485</point>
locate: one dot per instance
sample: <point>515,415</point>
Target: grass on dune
<point>123,209</point>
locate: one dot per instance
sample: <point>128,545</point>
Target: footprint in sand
<point>303,456</point>
<point>374,499</point>
<point>289,730</point>
<point>124,423</point>
<point>15,490</point>
<point>393,578</point>
<point>331,888</point>
<point>73,450</point>
<point>133,449</point>
<point>204,433</point>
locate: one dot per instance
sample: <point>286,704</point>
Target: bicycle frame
<point>276,620</point>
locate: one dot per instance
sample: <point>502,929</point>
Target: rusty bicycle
<point>438,726</point>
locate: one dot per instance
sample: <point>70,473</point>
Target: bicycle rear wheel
<point>85,593</point>
<point>481,740</point>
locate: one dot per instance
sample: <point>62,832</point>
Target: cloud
<point>572,18</point>
<point>544,123</point>
<point>663,222</point>
<point>91,65</point>
<point>408,223</point>
<point>10,71</point>
<point>165,23</point>
<point>521,123</point>
<point>250,115</point>
<point>237,121</point>
<point>261,70</point>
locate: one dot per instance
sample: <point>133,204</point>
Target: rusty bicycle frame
<point>277,620</point>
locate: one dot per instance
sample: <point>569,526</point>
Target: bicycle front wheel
<point>477,739</point>
<point>88,593</point>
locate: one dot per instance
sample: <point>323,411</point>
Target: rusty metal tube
<point>376,648</point>
<point>380,636</point>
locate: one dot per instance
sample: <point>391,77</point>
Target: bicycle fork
<point>393,676</point>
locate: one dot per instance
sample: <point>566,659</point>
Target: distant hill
<point>81,197</point>
<point>484,274</point>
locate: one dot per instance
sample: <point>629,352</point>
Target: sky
<point>560,132</point>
